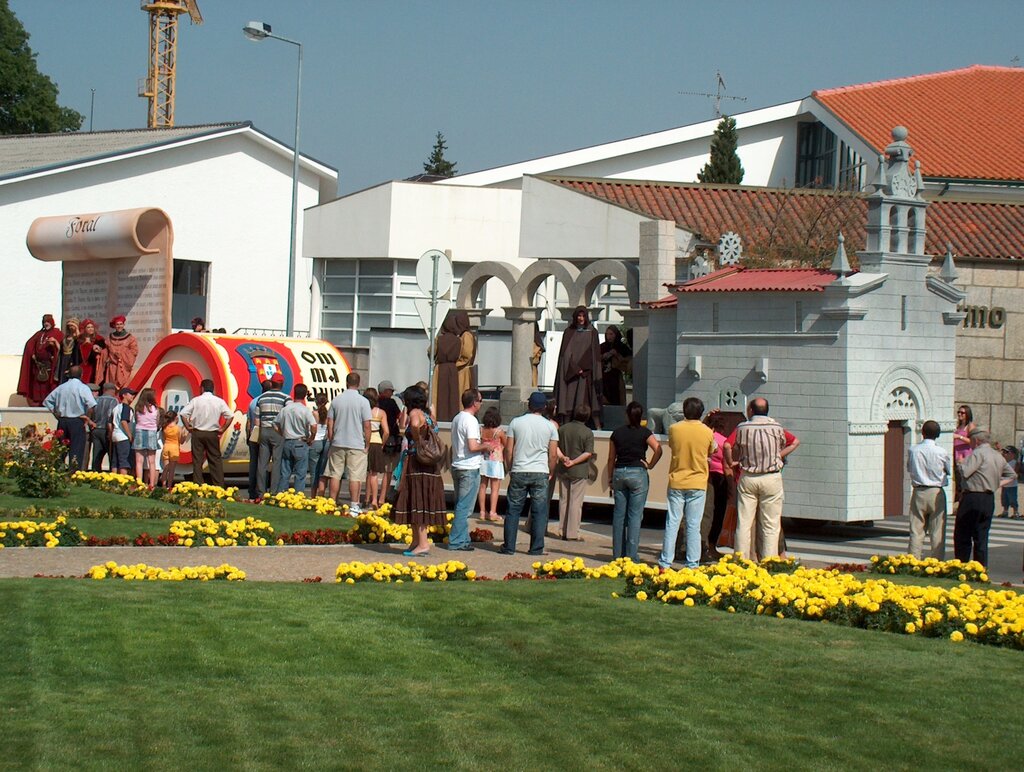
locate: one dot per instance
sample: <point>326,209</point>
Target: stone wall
<point>990,347</point>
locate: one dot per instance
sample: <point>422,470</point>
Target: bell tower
<point>896,210</point>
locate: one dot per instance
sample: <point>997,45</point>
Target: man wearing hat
<point>531,450</point>
<point>37,363</point>
<point>120,355</point>
<point>393,447</point>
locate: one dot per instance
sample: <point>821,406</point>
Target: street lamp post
<point>257,31</point>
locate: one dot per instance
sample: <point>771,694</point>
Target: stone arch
<point>564,273</point>
<point>479,274</point>
<point>627,274</point>
<point>901,394</point>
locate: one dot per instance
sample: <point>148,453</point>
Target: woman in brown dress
<point>420,491</point>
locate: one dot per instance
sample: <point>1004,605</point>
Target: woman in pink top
<point>718,481</point>
<point>147,421</point>
<point>961,444</point>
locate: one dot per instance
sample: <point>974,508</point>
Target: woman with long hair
<point>91,346</point>
<point>318,451</point>
<point>961,444</point>
<point>376,462</point>
<point>628,479</point>
<point>492,469</point>
<point>147,426</point>
<point>421,501</point>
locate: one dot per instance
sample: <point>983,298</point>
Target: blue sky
<point>504,80</point>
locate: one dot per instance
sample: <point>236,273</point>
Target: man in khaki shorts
<point>348,426</point>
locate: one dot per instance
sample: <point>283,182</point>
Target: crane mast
<point>158,86</point>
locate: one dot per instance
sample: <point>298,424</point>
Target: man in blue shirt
<point>71,404</point>
<point>929,466</point>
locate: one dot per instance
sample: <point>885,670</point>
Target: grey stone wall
<point>990,350</point>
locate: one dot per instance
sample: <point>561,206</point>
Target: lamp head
<point>256,30</point>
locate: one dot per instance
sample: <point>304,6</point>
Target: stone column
<point>657,258</point>
<point>636,319</point>
<point>514,396</point>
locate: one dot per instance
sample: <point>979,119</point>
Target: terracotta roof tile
<point>760,280</point>
<point>766,216</point>
<point>964,124</point>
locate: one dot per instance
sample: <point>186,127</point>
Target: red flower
<point>47,445</point>
<point>59,433</point>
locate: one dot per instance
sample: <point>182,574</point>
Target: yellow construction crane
<point>158,86</point>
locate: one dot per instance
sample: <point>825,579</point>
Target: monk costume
<point>616,360</point>
<point>37,363</point>
<point>578,376</point>
<point>68,353</point>
<point>90,346</point>
<point>454,355</point>
<point>120,355</point>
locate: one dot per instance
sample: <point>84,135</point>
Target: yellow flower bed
<point>908,565</point>
<point>376,528</point>
<point>140,572</point>
<point>206,491</point>
<point>449,571</point>
<point>990,616</point>
<point>297,500</point>
<point>206,532</point>
<point>111,482</point>
<point>32,533</point>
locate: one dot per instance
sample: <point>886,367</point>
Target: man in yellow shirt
<point>691,443</point>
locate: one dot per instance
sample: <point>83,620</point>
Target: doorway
<point>893,466</point>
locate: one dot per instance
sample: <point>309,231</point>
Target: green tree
<point>724,165</point>
<point>437,163</point>
<point>28,98</point>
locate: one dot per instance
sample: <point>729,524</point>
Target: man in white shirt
<point>348,426</point>
<point>929,466</point>
<point>467,455</point>
<point>207,417</point>
<point>532,449</point>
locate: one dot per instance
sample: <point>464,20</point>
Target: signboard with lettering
<point>237,366</point>
<point>114,263</point>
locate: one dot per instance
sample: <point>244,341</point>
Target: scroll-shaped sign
<point>237,366</point>
<point>114,263</point>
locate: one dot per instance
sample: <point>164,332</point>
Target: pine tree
<point>28,98</point>
<point>436,163</point>
<point>724,165</point>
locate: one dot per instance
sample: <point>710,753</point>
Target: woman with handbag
<point>420,491</point>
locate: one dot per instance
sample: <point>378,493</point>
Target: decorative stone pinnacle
<point>840,265</point>
<point>948,271</point>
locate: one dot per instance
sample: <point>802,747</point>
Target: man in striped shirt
<point>271,442</point>
<point>757,448</point>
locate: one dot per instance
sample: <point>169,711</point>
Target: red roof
<point>964,124</point>
<point>760,280</point>
<point>810,219</point>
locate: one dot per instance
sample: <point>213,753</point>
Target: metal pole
<point>92,105</point>
<point>290,321</point>
<point>433,328</point>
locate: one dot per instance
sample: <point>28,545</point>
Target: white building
<point>226,189</point>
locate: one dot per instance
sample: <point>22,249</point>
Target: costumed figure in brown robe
<point>90,346</point>
<point>454,355</point>
<point>538,353</point>
<point>578,377</point>
<point>120,355</point>
<point>37,363</point>
<point>616,359</point>
<point>68,354</point>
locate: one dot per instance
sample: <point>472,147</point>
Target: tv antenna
<point>718,96</point>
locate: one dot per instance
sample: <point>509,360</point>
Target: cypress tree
<point>724,165</point>
<point>437,163</point>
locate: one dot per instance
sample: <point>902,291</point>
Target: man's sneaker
<point>354,510</point>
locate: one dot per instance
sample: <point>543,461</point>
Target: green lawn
<point>83,496</point>
<point>517,675</point>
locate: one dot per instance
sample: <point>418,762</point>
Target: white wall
<point>229,201</point>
